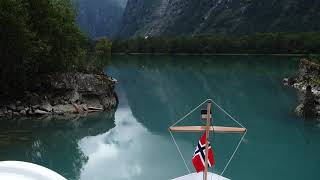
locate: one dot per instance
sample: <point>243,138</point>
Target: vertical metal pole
<point>207,137</point>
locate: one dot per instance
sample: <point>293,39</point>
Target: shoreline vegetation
<point>48,66</point>
<point>41,37</point>
<point>259,43</point>
<point>38,37</point>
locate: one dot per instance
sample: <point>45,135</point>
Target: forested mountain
<point>99,18</point>
<point>172,17</point>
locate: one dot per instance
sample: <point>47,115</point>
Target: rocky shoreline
<point>62,94</point>
<point>307,82</point>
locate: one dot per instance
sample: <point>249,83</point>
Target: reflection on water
<point>52,143</point>
<point>129,151</point>
<point>160,89</point>
<point>154,91</point>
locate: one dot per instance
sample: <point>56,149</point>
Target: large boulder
<point>61,109</point>
<point>46,106</point>
<point>40,112</point>
<point>97,84</point>
<point>93,101</point>
<point>109,103</point>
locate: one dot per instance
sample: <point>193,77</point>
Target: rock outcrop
<point>308,83</point>
<point>64,93</point>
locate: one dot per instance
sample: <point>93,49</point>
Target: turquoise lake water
<point>154,92</point>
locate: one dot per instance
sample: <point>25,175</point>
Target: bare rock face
<point>95,84</point>
<point>174,17</point>
<point>60,109</point>
<point>64,93</point>
<point>308,83</point>
<point>99,18</point>
<point>108,102</point>
<point>82,88</point>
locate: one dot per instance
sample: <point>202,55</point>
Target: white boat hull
<point>17,170</point>
<point>199,176</point>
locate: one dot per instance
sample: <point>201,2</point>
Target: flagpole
<point>207,137</point>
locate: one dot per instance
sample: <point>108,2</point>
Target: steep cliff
<point>99,18</point>
<point>145,17</point>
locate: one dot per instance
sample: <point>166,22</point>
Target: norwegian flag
<point>199,155</point>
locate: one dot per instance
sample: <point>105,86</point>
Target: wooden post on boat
<point>207,137</point>
<point>205,115</point>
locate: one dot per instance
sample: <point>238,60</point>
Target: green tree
<point>16,43</point>
<point>103,47</point>
<point>37,36</point>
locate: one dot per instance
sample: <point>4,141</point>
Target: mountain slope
<point>99,18</point>
<point>143,17</point>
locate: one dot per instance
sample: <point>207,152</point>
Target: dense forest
<point>259,43</point>
<point>38,36</point>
